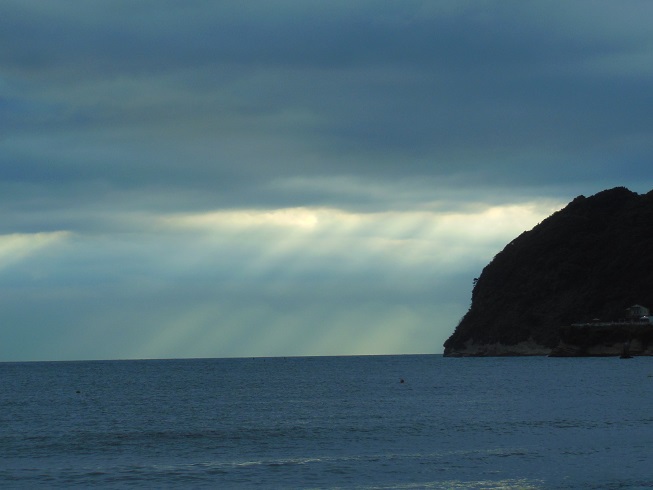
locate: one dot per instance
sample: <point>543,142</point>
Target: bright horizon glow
<point>244,283</point>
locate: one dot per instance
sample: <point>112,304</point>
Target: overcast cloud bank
<point>281,178</point>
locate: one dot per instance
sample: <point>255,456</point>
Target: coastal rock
<point>592,259</point>
<point>604,340</point>
<point>526,348</point>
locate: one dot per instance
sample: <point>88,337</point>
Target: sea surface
<point>328,422</point>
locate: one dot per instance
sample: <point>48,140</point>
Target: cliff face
<point>592,259</point>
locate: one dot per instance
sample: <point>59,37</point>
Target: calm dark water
<point>329,422</point>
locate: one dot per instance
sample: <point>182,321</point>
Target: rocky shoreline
<point>473,349</point>
<point>584,340</point>
<point>605,340</point>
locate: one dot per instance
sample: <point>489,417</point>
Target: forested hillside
<point>592,259</point>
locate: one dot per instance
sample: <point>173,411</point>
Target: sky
<point>281,178</point>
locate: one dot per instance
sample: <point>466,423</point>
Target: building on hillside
<point>637,312</point>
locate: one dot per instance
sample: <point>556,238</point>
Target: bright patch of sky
<point>295,281</point>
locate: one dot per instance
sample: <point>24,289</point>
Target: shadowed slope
<point>594,258</point>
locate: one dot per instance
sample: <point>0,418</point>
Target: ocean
<point>369,422</point>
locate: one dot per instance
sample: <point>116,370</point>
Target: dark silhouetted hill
<point>592,259</point>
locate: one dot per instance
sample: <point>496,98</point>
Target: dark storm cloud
<point>183,95</point>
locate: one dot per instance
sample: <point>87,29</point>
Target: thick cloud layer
<point>124,126</point>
